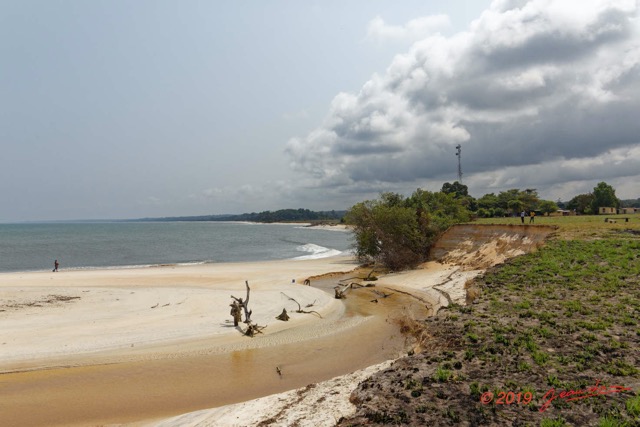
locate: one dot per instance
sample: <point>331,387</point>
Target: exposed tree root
<point>300,310</point>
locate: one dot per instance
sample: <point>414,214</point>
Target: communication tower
<point>459,154</point>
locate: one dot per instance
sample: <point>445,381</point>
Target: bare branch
<point>291,299</point>
<point>300,310</point>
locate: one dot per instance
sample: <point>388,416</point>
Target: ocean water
<point>34,247</point>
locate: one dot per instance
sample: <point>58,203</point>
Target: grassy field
<point>553,339</point>
<point>580,227</point>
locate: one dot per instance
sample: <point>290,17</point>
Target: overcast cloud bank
<point>540,94</point>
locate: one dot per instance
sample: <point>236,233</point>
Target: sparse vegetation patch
<point>555,324</point>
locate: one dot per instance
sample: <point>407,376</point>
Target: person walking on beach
<point>532,216</point>
<point>522,217</point>
<point>56,264</point>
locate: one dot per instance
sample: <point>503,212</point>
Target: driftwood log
<point>370,276</point>
<point>341,290</point>
<point>300,310</point>
<point>252,328</point>
<point>245,304</point>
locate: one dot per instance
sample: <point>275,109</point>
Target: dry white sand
<point>69,313</point>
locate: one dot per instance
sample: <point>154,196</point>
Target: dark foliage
<point>397,231</point>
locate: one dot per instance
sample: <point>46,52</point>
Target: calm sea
<point>33,247</point>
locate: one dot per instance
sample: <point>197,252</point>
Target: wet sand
<point>162,387</point>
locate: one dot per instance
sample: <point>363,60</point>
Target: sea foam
<point>316,251</point>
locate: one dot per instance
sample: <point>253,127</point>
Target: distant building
<point>562,212</point>
<point>607,211</point>
<point>628,211</point>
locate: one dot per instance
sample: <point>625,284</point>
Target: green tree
<point>504,197</point>
<point>488,201</point>
<point>461,192</point>
<point>456,188</point>
<point>437,211</point>
<point>485,213</point>
<point>529,198</point>
<point>515,205</point>
<point>499,212</point>
<point>604,195</point>
<point>581,203</point>
<point>398,232</point>
<point>547,206</point>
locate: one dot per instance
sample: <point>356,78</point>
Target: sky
<point>127,109</point>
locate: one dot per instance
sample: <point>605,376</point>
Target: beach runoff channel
<point>124,345</point>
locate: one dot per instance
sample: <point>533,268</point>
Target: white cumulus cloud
<point>415,29</point>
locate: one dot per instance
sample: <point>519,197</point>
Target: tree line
<point>398,231</point>
<point>510,202</point>
<point>289,215</point>
<point>282,215</point>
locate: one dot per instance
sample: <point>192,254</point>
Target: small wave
<point>339,228</point>
<point>163,264</point>
<point>316,251</point>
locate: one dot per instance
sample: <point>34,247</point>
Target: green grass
<point>611,421</point>
<point>442,375</point>
<point>633,406</point>
<point>555,422</point>
<point>575,315</point>
<point>582,226</point>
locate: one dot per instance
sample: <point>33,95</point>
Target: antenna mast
<point>459,154</point>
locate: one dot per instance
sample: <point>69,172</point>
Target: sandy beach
<point>156,346</point>
<point>108,340</point>
<point>51,316</point>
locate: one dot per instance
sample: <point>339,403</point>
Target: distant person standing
<point>522,217</point>
<point>56,264</point>
<point>532,217</point>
